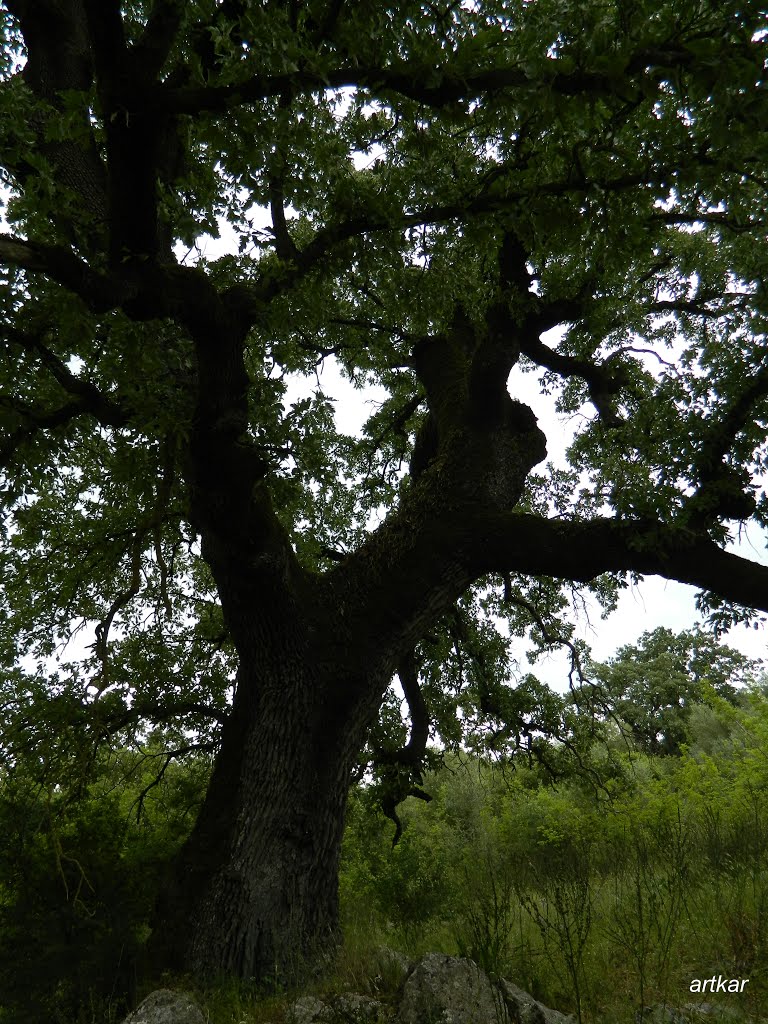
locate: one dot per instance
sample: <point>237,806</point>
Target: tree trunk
<point>255,892</point>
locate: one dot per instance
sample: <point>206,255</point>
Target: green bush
<point>79,873</point>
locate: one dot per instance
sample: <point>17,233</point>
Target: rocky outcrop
<point>439,989</point>
<point>524,1009</point>
<point>347,1008</point>
<point>689,1013</point>
<point>446,990</point>
<point>166,1007</point>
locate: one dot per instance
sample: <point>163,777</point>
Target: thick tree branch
<point>426,84</point>
<point>581,551</point>
<point>100,292</point>
<point>725,220</point>
<point>150,53</point>
<point>329,22</point>
<point>699,307</point>
<point>396,785</point>
<point>140,139</point>
<point>285,247</point>
<point>104,408</point>
<point>228,13</point>
<point>737,415</point>
<point>412,753</point>
<point>105,25</point>
<point>725,492</point>
<point>87,399</point>
<point>37,419</point>
<point>250,299</point>
<point>59,63</point>
<point>604,380</point>
<point>408,673</point>
<point>431,562</point>
<point>158,712</point>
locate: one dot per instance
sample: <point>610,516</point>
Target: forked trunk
<point>255,893</point>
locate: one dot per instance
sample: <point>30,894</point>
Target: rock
<point>306,1010</point>
<point>524,1009</point>
<point>660,1014</point>
<point>390,959</point>
<point>439,989</point>
<point>689,1013</point>
<point>348,1008</point>
<point>713,1012</point>
<point>360,1009</point>
<point>447,990</point>
<point>166,1007</point>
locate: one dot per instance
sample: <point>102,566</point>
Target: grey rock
<point>660,1014</point>
<point>359,1009</point>
<point>166,1007</point>
<point>689,1013</point>
<point>447,990</point>
<point>392,959</point>
<point>713,1012</point>
<point>524,1009</point>
<point>307,1010</point>
<point>439,989</point>
<point>347,1008</point>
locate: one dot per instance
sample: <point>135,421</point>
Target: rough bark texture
<point>256,891</point>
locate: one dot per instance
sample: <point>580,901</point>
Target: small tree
<point>653,686</point>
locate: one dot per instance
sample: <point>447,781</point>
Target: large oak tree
<point>452,200</point>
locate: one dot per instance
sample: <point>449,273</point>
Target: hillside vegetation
<point>598,872</point>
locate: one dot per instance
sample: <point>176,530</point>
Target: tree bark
<point>255,889</point>
<point>255,892</point>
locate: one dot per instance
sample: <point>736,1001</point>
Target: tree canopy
<point>652,688</point>
<point>454,201</point>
